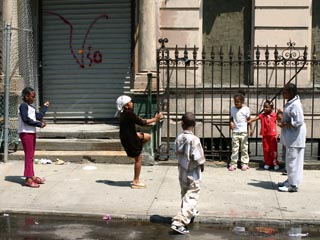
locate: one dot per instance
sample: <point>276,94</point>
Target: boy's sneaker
<point>232,168</point>
<point>244,167</point>
<point>284,172</point>
<point>266,167</point>
<point>291,188</point>
<point>180,229</point>
<point>276,167</point>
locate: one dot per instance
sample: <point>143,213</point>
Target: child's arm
<point>196,155</point>
<point>231,123</point>
<point>40,115</point>
<point>250,126</point>
<point>23,111</point>
<point>250,120</point>
<point>156,118</point>
<point>197,152</point>
<point>202,167</point>
<point>138,120</point>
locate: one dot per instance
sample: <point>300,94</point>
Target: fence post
<point>7,91</point>
<point>149,103</point>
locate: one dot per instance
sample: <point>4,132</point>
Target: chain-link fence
<point>18,51</point>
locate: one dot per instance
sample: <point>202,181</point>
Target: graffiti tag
<point>96,56</point>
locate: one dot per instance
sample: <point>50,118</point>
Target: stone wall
<point>316,33</point>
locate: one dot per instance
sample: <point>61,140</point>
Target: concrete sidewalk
<point>96,189</point>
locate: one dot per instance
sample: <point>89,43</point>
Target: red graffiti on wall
<point>96,57</point>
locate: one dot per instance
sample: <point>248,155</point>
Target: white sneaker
<point>276,167</point>
<point>180,229</point>
<point>266,167</point>
<point>288,189</point>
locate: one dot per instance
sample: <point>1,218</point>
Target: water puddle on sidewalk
<point>36,227</point>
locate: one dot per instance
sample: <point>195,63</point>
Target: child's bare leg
<point>146,138</point>
<point>137,169</point>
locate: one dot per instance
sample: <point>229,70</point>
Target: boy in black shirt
<point>131,140</point>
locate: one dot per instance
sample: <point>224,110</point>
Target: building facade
<point>87,53</point>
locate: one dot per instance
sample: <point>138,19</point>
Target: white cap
<point>122,101</point>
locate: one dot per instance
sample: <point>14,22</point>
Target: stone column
<point>147,63</point>
<point>147,44</point>
<point>7,11</point>
<point>147,35</point>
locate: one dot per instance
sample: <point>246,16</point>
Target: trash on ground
<point>239,229</point>
<point>89,168</point>
<point>42,161</point>
<point>298,234</point>
<point>107,218</point>
<point>265,230</point>
<point>59,162</point>
<point>30,221</point>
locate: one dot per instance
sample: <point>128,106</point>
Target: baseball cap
<point>122,101</point>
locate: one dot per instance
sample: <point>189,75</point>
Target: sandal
<point>32,184</point>
<point>39,180</point>
<point>138,185</point>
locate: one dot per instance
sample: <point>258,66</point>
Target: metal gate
<point>86,57</point>
<point>204,81</point>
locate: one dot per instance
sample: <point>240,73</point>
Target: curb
<point>167,220</point>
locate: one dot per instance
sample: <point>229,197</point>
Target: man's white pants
<point>294,165</point>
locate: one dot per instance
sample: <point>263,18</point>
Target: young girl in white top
<point>240,115</point>
<point>29,119</point>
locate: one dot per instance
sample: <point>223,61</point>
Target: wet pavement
<point>35,227</point>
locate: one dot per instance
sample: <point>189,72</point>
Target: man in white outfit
<point>293,133</point>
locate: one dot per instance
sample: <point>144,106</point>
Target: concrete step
<point>80,131</point>
<point>118,157</point>
<point>75,144</point>
<point>97,143</point>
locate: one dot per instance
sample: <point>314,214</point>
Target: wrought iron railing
<point>204,82</point>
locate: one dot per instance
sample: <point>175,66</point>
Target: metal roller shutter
<point>86,56</point>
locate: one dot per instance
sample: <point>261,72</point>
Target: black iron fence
<point>204,81</point>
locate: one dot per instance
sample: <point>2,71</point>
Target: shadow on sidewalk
<point>115,183</point>
<point>263,184</point>
<point>160,219</point>
<point>15,179</point>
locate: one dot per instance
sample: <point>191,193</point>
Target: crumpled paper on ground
<point>107,218</point>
